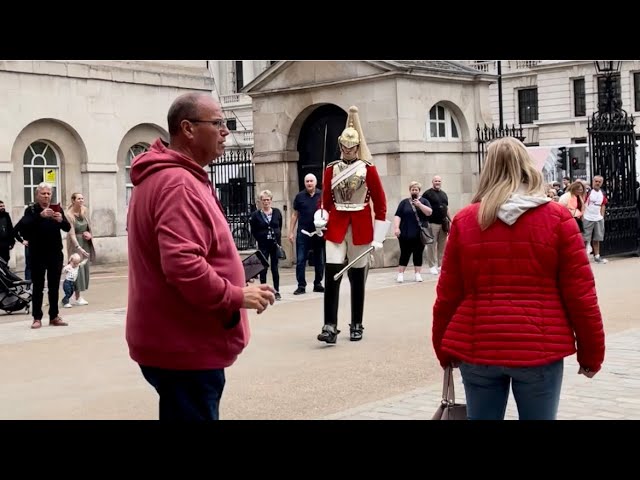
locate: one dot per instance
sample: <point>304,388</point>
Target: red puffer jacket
<point>518,294</point>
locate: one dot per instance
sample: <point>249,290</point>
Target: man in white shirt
<point>593,218</point>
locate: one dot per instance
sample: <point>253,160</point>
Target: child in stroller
<point>15,293</point>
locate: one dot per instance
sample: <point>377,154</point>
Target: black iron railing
<point>486,134</point>
<point>233,175</point>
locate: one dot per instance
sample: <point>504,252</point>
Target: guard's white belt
<point>350,207</point>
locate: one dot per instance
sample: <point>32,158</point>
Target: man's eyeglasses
<point>219,123</point>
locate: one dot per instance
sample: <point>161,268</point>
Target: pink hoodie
<point>185,274</point>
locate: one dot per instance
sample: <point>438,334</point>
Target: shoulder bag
<point>426,237</point>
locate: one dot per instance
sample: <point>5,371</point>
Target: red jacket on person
<point>517,295</point>
<point>186,277</point>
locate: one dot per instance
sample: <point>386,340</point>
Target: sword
<point>353,262</point>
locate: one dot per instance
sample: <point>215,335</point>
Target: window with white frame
<point>133,152</point>
<point>41,164</point>
<point>442,124</point>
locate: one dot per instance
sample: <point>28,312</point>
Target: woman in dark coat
<point>266,227</point>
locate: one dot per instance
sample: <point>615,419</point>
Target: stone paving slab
<point>613,394</point>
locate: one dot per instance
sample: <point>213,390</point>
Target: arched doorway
<point>327,119</point>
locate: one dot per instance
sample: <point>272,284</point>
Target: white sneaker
<point>67,305</point>
<point>418,277</point>
<point>599,259</point>
<point>81,301</point>
<point>400,277</point>
<point>433,270</point>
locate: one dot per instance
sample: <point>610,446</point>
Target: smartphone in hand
<point>254,265</point>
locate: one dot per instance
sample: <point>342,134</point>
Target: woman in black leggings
<point>407,229</point>
<point>266,227</point>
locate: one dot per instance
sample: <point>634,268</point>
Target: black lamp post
<point>609,68</point>
<point>500,126</point>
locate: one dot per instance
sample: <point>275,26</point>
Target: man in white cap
<point>350,185</point>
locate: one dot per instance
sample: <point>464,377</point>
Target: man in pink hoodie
<point>186,315</point>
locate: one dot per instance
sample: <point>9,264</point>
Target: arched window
<point>41,164</point>
<point>133,152</point>
<point>442,124</point>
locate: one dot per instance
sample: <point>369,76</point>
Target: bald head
<point>436,182</point>
<point>184,107</point>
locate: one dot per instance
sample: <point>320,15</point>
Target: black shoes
<point>329,334</point>
<point>355,332</point>
<point>301,290</point>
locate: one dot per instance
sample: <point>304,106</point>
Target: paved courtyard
<point>83,371</point>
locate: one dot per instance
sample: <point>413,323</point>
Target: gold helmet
<point>352,135</point>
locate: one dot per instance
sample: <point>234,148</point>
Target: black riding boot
<point>330,332</point>
<point>357,277</point>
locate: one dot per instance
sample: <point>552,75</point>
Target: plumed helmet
<point>352,135</point>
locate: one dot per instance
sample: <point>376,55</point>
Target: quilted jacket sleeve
<point>449,292</point>
<point>578,292</point>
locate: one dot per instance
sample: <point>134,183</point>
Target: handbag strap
<point>415,212</point>
<point>448,389</point>
<point>273,234</point>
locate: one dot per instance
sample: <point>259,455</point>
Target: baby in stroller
<point>15,293</point>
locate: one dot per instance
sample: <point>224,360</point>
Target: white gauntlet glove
<point>380,229</point>
<point>320,219</point>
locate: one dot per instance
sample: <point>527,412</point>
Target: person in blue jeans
<point>70,274</point>
<point>507,313</point>
<point>305,205</point>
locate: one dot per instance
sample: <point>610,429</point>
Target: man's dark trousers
<point>51,263</point>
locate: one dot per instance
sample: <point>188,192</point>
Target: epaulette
<point>368,162</point>
<point>331,164</point>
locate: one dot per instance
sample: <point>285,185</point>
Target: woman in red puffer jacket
<point>506,311</point>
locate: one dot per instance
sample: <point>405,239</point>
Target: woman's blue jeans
<point>536,390</point>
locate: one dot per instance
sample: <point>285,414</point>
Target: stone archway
<point>319,133</point>
<point>135,141</point>
<point>70,151</point>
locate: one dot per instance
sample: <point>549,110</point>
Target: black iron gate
<point>486,134</point>
<point>233,176</point>
<point>612,147</point>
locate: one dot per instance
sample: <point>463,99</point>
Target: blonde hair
<point>415,184</point>
<point>73,199</point>
<point>508,165</point>
<point>75,256</point>
<point>265,193</point>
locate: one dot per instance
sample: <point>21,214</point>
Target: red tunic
<point>361,221</point>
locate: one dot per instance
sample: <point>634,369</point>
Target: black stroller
<point>15,293</point>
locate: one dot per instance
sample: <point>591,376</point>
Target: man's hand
<point>586,372</point>
<point>46,213</point>
<point>57,216</point>
<point>258,297</point>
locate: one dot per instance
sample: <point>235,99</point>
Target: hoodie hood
<point>160,157</point>
<point>519,203</point>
